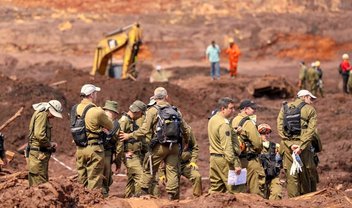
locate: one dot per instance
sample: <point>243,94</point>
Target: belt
<point>40,149</point>
<point>95,143</point>
<point>216,155</point>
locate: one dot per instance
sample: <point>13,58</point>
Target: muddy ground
<point>44,42</point>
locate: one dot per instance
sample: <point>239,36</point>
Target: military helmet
<point>264,129</point>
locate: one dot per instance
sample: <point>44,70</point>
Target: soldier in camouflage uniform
<point>302,77</point>
<point>305,181</point>
<point>251,147</point>
<point>223,144</point>
<point>132,148</point>
<point>40,146</point>
<point>111,110</point>
<point>90,159</point>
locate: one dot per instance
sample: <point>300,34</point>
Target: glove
<point>296,164</point>
<point>162,179</point>
<point>193,165</point>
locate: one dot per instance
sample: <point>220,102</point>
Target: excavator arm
<point>127,38</point>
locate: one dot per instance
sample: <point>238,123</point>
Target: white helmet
<point>345,56</point>
<point>55,108</point>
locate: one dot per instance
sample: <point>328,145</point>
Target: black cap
<point>247,103</point>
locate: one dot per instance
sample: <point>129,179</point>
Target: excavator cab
<point>127,39</point>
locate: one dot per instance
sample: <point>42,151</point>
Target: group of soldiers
<point>238,142</point>
<point>131,140</point>
<point>150,154</point>
<point>311,78</point>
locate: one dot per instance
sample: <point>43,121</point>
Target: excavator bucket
<point>272,87</point>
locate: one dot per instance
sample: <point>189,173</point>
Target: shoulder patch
<point>227,133</point>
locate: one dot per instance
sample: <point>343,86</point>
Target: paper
<point>234,179</point>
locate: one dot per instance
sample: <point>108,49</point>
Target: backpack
<point>78,126</point>
<point>269,162</point>
<point>168,127</point>
<point>292,119</point>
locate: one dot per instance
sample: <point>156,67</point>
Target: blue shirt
<point>213,53</point>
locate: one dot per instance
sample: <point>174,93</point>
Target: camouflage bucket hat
<point>138,106</point>
<point>111,106</point>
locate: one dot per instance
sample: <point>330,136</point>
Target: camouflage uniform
<point>161,152</point>
<point>303,76</point>
<point>39,142</point>
<point>188,156</point>
<point>249,156</point>
<point>222,155</point>
<point>305,181</point>
<point>273,186</point>
<point>133,163</point>
<point>312,80</point>
<point>90,159</point>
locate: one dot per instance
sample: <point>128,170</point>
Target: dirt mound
<point>58,192</point>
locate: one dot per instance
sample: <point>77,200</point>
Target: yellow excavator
<point>127,38</point>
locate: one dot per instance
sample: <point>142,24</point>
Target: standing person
<point>233,52</point>
<point>166,142</point>
<point>213,55</point>
<point>320,78</point>
<point>222,146</point>
<point>345,70</point>
<point>251,146</point>
<point>271,161</point>
<point>312,78</point>
<point>302,77</point>
<point>132,148</point>
<point>297,126</point>
<point>111,110</point>
<point>90,157</point>
<point>188,164</point>
<point>40,146</point>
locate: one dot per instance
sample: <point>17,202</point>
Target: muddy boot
<point>172,196</point>
<point>105,192</point>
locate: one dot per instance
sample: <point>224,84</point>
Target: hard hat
<point>55,108</point>
<point>231,40</point>
<point>317,63</point>
<point>345,56</point>
<point>312,64</point>
<point>264,129</point>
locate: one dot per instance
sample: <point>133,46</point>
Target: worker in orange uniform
<point>234,52</point>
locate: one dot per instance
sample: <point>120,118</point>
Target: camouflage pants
<point>90,166</point>
<point>38,165</point>
<point>134,174</point>
<point>170,156</point>
<point>107,179</point>
<point>194,176</point>
<point>218,175</point>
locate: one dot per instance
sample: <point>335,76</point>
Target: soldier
<point>297,132</point>
<point>251,146</point>
<point>132,148</point>
<point>222,154</point>
<point>302,77</point>
<point>111,110</point>
<point>319,72</point>
<point>162,148</point>
<point>40,147</point>
<point>271,161</point>
<point>90,158</point>
<point>312,78</point>
<point>188,165</point>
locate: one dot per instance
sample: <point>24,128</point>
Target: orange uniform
<point>234,52</point>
